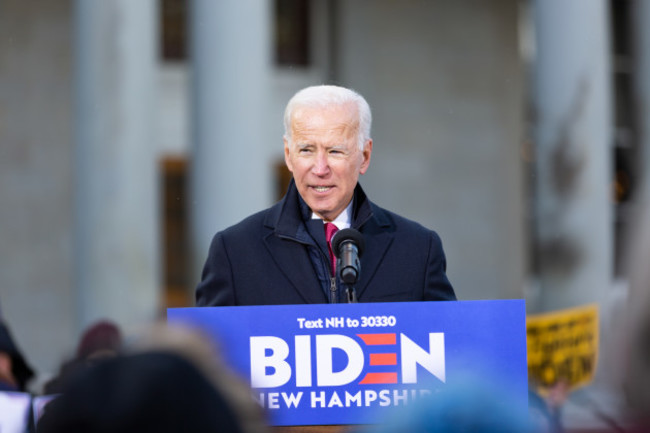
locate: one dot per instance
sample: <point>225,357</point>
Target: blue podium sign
<point>339,363</point>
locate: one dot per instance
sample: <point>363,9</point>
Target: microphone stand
<point>350,294</point>
<point>348,246</point>
<point>349,282</point>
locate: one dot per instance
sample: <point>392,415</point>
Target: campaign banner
<point>326,364</point>
<point>563,347</point>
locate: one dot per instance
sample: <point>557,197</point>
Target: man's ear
<point>287,158</point>
<point>367,151</point>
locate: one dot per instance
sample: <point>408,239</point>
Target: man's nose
<point>321,165</point>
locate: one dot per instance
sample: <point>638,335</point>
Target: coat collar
<point>287,222</point>
<point>287,216</point>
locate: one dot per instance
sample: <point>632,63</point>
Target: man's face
<point>325,158</point>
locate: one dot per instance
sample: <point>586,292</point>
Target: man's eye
<point>304,150</point>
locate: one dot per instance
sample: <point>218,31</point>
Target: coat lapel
<point>293,261</point>
<point>287,242</point>
<point>378,237</point>
<point>378,232</point>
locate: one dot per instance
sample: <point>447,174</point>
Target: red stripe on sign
<point>374,378</point>
<point>377,339</point>
<point>383,359</point>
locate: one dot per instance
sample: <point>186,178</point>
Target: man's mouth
<point>322,188</point>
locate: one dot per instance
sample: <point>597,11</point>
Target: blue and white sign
<point>339,363</point>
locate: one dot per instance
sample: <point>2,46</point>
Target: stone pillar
<point>116,226</point>
<point>36,181</point>
<point>573,133</point>
<point>231,173</point>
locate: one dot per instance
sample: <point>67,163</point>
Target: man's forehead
<point>337,112</point>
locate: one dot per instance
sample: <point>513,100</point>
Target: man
<point>281,255</point>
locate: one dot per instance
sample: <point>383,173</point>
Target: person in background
<point>15,372</point>
<point>470,405</point>
<point>168,380</point>
<point>546,412</point>
<point>101,340</point>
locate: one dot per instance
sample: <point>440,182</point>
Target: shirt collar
<point>343,220</point>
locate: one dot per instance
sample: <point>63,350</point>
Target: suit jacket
<point>279,256</point>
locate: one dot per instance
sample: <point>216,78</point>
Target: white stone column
<point>231,171</point>
<point>116,227</point>
<point>573,139</point>
<point>36,229</point>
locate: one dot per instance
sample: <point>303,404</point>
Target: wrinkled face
<point>325,158</point>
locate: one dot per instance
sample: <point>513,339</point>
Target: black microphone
<point>348,246</point>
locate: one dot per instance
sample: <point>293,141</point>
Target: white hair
<point>327,95</point>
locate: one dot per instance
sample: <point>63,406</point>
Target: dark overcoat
<point>279,256</point>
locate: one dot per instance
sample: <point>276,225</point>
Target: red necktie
<point>330,229</point>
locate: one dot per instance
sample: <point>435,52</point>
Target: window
<point>173,25</point>
<point>292,28</point>
<point>176,263</point>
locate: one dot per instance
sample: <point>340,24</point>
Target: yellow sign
<point>563,347</point>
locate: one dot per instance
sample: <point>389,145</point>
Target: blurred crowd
<point>166,379</point>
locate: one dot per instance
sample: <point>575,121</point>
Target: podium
<point>323,367</point>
